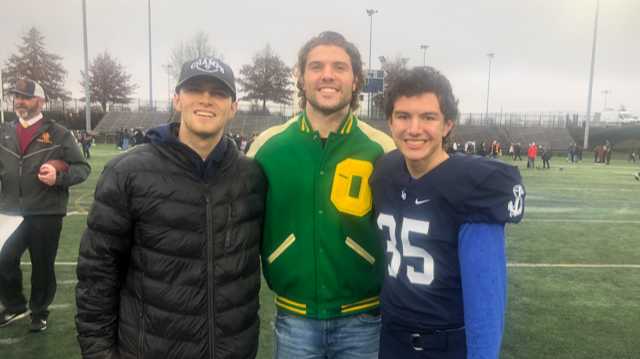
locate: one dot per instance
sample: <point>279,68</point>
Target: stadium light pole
<point>370,13</point>
<point>1,98</point>
<point>605,92</point>
<point>424,54</point>
<point>168,67</point>
<point>486,112</point>
<point>593,63</point>
<point>87,90</point>
<point>150,61</point>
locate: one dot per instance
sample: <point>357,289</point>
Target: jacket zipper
<point>141,315</point>
<point>210,279</point>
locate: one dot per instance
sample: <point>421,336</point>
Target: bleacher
<point>114,121</point>
<point>557,139</point>
<point>554,138</point>
<point>247,124</point>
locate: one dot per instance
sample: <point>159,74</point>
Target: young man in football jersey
<point>442,218</point>
<point>320,252</point>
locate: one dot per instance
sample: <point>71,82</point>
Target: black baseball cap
<point>28,88</point>
<point>208,67</point>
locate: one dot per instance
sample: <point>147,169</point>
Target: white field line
<point>76,213</point>
<point>554,220</point>
<point>9,341</point>
<point>567,265</point>
<point>513,265</point>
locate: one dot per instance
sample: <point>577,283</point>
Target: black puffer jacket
<point>169,263</point>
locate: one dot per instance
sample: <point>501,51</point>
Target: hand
<point>47,174</point>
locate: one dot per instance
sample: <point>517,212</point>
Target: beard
<point>328,110</point>
<point>26,113</point>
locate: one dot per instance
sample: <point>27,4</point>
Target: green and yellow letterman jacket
<point>320,251</point>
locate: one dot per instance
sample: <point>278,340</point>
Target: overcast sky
<point>542,47</point>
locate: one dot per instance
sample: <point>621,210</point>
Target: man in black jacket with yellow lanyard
<point>39,161</point>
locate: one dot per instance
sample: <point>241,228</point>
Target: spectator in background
<point>138,137</point>
<point>39,161</point>
<point>532,153</point>
<point>517,149</point>
<point>119,138</point>
<point>86,140</point>
<point>545,155</point>
<point>571,152</point>
<point>481,150</point>
<point>609,152</point>
<point>126,137</point>
<point>578,153</point>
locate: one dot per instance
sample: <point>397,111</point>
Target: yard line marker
<point>567,265</point>
<point>70,281</point>
<point>9,341</point>
<point>76,213</point>
<point>515,265</point>
<point>61,264</point>
<point>59,306</point>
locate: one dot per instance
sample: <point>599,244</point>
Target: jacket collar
<point>344,129</point>
<point>165,139</point>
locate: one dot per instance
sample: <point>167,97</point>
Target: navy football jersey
<point>418,219</point>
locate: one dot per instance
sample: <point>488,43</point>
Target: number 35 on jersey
<point>399,252</point>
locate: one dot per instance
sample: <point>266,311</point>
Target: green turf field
<point>574,275</point>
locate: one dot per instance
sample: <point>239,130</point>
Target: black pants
<point>395,344</point>
<point>86,151</point>
<point>39,234</point>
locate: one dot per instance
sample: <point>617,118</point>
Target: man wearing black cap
<point>169,263</point>
<point>39,161</point>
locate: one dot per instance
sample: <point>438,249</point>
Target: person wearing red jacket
<point>532,153</point>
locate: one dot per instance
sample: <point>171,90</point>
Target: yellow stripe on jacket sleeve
<point>267,134</point>
<point>377,136</point>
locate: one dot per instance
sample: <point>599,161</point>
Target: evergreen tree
<point>34,62</point>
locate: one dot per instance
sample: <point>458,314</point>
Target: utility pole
<point>424,54</point>
<point>486,112</point>
<point>593,63</point>
<point>87,90</point>
<point>150,62</point>
<point>370,12</point>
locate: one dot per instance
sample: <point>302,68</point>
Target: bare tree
<point>391,70</point>
<point>198,46</point>
<point>34,62</point>
<point>266,79</point>
<point>108,81</point>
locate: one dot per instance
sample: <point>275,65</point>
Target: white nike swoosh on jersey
<point>418,202</point>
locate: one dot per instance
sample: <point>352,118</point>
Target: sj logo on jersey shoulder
<point>516,206</point>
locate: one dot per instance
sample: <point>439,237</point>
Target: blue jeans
<point>354,337</point>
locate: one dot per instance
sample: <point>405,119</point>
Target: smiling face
<point>205,107</point>
<point>328,80</point>
<point>418,128</point>
<point>27,107</point>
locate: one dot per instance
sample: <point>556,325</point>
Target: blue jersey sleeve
<point>483,272</point>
